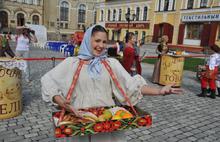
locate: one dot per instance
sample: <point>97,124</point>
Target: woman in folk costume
<point>162,49</point>
<point>210,75</point>
<point>95,87</point>
<point>131,61</point>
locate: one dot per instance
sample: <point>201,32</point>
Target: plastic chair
<point>69,50</point>
<point>62,47</point>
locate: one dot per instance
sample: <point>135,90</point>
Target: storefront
<point>117,31</point>
<point>199,29</point>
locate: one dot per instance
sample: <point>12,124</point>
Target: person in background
<point>210,74</point>
<point>162,49</point>
<point>95,87</point>
<point>5,47</point>
<point>24,38</point>
<point>131,61</point>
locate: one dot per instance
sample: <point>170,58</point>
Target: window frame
<point>64,11</point>
<point>82,13</point>
<point>145,13</point>
<point>188,6</point>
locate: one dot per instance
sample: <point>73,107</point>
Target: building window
<point>143,37</point>
<point>203,3</point>
<point>109,14</point>
<point>82,13</point>
<point>3,19</point>
<point>95,16</point>
<point>35,20</point>
<point>128,10</point>
<point>137,13</point>
<point>194,31</point>
<point>30,1</point>
<point>119,15</point>
<point>20,19</point>
<point>64,11</point>
<point>102,14</point>
<point>114,14</point>
<point>159,5</point>
<point>66,25</point>
<point>145,14</point>
<point>166,5</point>
<point>136,35</point>
<point>190,4</point>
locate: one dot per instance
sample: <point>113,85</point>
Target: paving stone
<point>176,118</point>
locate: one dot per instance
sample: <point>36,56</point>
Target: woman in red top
<point>131,60</point>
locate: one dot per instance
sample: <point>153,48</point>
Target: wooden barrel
<point>10,92</point>
<point>171,70</point>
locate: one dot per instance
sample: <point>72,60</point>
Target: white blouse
<point>22,43</point>
<point>214,60</point>
<point>92,92</point>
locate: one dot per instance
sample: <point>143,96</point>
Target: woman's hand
<point>66,104</point>
<point>166,90</point>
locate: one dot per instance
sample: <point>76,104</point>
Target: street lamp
<point>129,18</point>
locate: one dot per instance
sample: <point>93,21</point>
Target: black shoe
<point>213,95</point>
<point>204,93</point>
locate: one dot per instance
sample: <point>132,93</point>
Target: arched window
<point>102,14</point>
<point>82,13</point>
<point>20,19</point>
<point>109,14</point>
<point>35,20</point>
<point>119,15</point>
<point>64,11</point>
<point>145,14</point>
<point>114,14</point>
<point>128,10</point>
<point>137,13</point>
<point>3,19</point>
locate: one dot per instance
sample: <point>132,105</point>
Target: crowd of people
<point>25,36</point>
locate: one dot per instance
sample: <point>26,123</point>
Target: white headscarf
<point>85,53</point>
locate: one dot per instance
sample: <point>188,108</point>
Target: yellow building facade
<point>15,13</point>
<point>112,15</point>
<point>61,17</point>
<point>64,17</point>
<point>186,22</point>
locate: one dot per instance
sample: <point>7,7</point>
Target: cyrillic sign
<point>201,18</point>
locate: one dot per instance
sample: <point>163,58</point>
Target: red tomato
<point>98,127</point>
<point>149,120</point>
<point>106,125</point>
<point>116,124</point>
<point>68,131</point>
<point>57,132</point>
<point>142,122</point>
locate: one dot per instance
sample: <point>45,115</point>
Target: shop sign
<point>125,25</point>
<point>201,18</point>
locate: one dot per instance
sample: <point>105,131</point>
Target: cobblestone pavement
<point>176,118</point>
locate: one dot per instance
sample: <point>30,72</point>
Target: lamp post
<point>129,18</point>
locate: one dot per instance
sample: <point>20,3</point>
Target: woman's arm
<point>166,90</point>
<point>33,38</point>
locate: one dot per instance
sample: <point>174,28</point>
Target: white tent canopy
<point>41,34</point>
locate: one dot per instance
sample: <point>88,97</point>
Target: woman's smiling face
<point>98,43</point>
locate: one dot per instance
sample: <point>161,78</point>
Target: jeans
<point>25,54</point>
